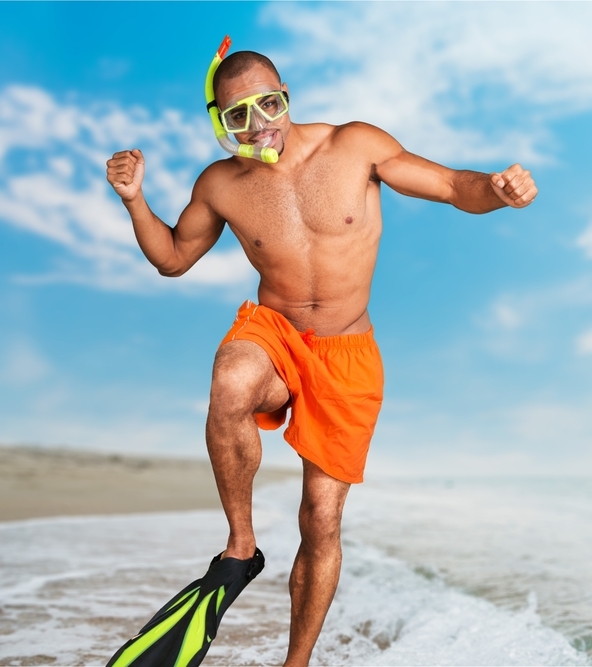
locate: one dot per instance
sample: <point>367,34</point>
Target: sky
<point>484,322</point>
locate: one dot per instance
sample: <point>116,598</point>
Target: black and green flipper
<point>180,634</point>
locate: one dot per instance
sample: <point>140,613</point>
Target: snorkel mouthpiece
<point>268,155</point>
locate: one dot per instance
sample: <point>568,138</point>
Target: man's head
<point>244,74</point>
<point>238,63</point>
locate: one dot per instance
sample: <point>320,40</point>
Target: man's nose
<point>258,122</point>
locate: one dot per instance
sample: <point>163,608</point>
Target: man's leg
<point>318,562</point>
<point>244,382</point>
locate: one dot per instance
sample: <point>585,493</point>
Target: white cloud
<point>202,406</point>
<point>506,316</point>
<point>584,241</point>
<point>23,364</point>
<point>522,438</point>
<point>511,312</point>
<point>45,405</point>
<point>453,81</point>
<point>117,271</point>
<point>52,170</point>
<point>139,433</point>
<point>552,423</point>
<point>29,117</point>
<point>532,325</point>
<point>502,321</point>
<point>584,342</point>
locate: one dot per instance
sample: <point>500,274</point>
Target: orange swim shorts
<point>335,385</point>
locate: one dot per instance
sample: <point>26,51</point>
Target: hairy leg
<point>244,382</point>
<point>317,566</point>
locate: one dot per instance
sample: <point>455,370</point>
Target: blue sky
<point>485,322</point>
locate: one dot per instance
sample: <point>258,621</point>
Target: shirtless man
<point>310,225</point>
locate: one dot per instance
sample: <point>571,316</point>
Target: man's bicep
<point>198,228</point>
<point>415,176</point>
<point>199,221</point>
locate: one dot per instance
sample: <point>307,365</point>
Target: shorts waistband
<point>344,340</point>
<point>324,342</point>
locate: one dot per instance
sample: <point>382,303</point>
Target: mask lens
<point>272,105</point>
<point>237,117</point>
<point>248,114</point>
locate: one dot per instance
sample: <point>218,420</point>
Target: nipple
<point>258,243</point>
<point>349,220</point>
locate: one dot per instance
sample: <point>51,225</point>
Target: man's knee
<point>243,379</point>
<point>322,506</point>
<point>319,523</point>
<point>236,378</point>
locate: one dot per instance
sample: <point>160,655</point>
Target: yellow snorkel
<point>242,150</point>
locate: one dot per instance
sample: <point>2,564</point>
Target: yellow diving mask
<point>262,153</point>
<point>253,113</point>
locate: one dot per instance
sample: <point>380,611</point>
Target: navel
<point>349,220</point>
<point>258,243</point>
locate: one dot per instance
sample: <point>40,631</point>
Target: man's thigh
<point>245,375</point>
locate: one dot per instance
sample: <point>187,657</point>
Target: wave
<point>73,589</point>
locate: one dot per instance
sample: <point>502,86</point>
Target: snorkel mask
<point>232,114</point>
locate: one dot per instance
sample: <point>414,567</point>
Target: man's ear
<point>285,92</point>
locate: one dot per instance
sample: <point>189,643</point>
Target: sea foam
<point>74,589</point>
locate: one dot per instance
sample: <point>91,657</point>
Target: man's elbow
<point>171,272</point>
<point>176,265</point>
<point>171,269</point>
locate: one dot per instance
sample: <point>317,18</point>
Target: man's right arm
<point>171,250</point>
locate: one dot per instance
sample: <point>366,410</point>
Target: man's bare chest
<point>298,206</point>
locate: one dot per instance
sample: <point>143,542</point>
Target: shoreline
<point>40,482</point>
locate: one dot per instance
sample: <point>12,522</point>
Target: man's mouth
<point>264,139</point>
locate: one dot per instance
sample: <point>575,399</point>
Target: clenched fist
<point>125,172</point>
<point>514,186</point>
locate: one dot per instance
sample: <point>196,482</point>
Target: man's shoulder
<point>359,131</point>
<point>210,179</point>
<point>351,136</point>
<point>219,167</point>
<point>216,170</point>
<point>349,130</point>
<point>367,141</point>
<point>355,134</point>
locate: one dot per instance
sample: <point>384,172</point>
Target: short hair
<point>240,62</point>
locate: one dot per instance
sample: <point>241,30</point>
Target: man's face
<point>258,79</point>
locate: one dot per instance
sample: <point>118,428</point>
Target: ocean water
<point>435,572</point>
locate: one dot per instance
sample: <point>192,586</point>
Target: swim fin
<point>180,634</point>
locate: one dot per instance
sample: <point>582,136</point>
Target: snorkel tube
<point>268,155</point>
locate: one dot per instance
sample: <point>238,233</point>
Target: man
<point>310,225</point>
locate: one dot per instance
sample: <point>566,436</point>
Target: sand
<point>38,482</point>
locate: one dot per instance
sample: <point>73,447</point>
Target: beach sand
<point>38,482</point>
<point>42,482</point>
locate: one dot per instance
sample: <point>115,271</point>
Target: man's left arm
<point>470,191</point>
